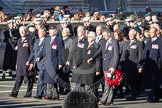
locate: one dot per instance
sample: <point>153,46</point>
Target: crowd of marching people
<point>85,55</point>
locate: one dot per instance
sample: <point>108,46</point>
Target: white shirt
<point>153,39</point>
<point>108,41</point>
<point>98,38</point>
<point>22,39</point>
<point>41,40</point>
<point>52,39</point>
<point>64,38</point>
<point>132,41</point>
<point>80,38</point>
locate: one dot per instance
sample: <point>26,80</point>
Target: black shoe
<point>3,76</point>
<point>26,96</point>
<point>12,95</point>
<point>132,98</point>
<point>13,76</point>
<point>66,92</point>
<point>150,100</point>
<point>38,97</point>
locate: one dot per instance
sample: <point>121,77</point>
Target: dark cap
<point>52,27</point>
<point>66,6</point>
<point>148,9</point>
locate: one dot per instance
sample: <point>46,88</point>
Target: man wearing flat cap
<point>52,53</point>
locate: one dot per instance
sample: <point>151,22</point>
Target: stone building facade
<point>12,6</point>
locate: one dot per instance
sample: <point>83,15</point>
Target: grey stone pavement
<point>21,102</point>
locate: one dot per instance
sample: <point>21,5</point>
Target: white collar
<point>23,38</point>
<point>41,39</point>
<point>91,43</point>
<point>99,36</point>
<point>64,38</point>
<point>109,40</point>
<point>80,38</point>
<point>153,39</point>
<point>53,37</point>
<point>132,40</point>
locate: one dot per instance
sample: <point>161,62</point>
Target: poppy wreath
<point>116,80</point>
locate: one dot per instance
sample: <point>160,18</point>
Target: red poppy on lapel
<point>54,43</point>
<point>152,43</point>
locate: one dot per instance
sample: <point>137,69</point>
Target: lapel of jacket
<point>106,49</point>
<point>21,43</point>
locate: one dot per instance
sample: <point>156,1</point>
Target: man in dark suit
<point>25,45</point>
<point>52,53</point>
<point>99,79</point>
<point>79,44</point>
<point>65,71</point>
<point>110,55</point>
<point>150,65</point>
<point>85,73</point>
<point>39,66</point>
<point>130,56</point>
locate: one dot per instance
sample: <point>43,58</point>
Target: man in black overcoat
<point>130,56</point>
<point>11,37</point>
<point>110,56</point>
<point>23,72</point>
<point>150,65</point>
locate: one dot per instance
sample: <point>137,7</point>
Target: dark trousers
<point>65,87</point>
<point>133,82</point>
<point>99,80</point>
<point>155,89</point>
<point>41,87</point>
<point>18,83</point>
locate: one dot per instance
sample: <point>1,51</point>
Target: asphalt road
<point>21,102</point>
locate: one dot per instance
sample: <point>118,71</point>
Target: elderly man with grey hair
<point>64,88</point>
<point>25,44</point>
<point>85,73</point>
